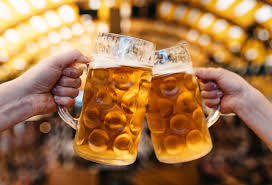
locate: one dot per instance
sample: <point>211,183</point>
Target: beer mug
<point>175,115</point>
<point>114,100</point>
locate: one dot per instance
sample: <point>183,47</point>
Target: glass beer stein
<point>175,116</point>
<point>114,100</point>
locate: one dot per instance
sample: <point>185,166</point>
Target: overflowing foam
<point>170,68</point>
<point>101,61</point>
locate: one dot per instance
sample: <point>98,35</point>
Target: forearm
<point>15,105</point>
<point>256,112</point>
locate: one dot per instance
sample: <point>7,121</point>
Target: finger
<point>64,101</point>
<point>212,102</point>
<point>212,94</point>
<point>209,73</point>
<point>72,72</point>
<point>69,82</point>
<point>65,91</point>
<point>66,59</point>
<point>208,86</point>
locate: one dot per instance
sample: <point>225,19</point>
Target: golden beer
<point>175,117</point>
<point>179,129</point>
<point>113,111</point>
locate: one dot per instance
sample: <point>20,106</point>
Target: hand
<point>53,76</point>
<point>222,87</point>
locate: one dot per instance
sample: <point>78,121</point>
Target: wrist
<point>246,103</point>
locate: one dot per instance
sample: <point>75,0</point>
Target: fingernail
<point>57,98</point>
<point>220,93</point>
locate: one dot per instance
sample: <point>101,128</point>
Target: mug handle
<point>67,117</point>
<point>64,113</point>
<point>213,116</point>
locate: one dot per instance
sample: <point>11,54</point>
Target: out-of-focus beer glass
<point>114,101</point>
<point>175,116</point>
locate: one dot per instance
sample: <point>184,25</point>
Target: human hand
<point>53,81</point>
<point>222,87</point>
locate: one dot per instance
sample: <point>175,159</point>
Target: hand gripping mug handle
<point>66,116</point>
<point>214,114</point>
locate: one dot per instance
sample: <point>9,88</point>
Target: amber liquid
<point>176,119</point>
<point>113,112</point>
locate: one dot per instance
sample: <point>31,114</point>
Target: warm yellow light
<point>180,12</point>
<point>165,8</point>
<point>103,28</point>
<point>77,29</point>
<point>38,3</point>
<point>38,24</point>
<point>19,63</point>
<point>125,10</point>
<point>54,37</point>
<point>4,56</point>
<point>94,4</point>
<point>65,33</point>
<point>43,42</point>
<point>52,19</point>
<point>243,7</point>
<point>235,32</point>
<point>192,35</point>
<point>20,5</point>
<point>31,47</point>
<point>206,20</point>
<point>12,35</point>
<point>2,43</point>
<point>5,13</point>
<point>263,14</point>
<point>251,54</point>
<point>193,15</point>
<point>220,26</point>
<point>222,5</point>
<point>67,13</point>
<point>204,40</point>
<point>109,3</point>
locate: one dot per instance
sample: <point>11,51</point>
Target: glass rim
<point>100,34</point>
<point>178,45</point>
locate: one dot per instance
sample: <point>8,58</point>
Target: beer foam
<point>102,61</point>
<point>170,68</point>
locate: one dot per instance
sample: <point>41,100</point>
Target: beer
<point>175,116</point>
<point>113,111</point>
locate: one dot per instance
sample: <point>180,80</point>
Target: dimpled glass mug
<point>175,115</point>
<point>114,101</point>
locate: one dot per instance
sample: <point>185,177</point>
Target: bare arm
<point>235,95</point>
<point>39,90</point>
<point>256,112</point>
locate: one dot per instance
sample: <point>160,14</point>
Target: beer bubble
<point>129,101</point>
<point>180,123</point>
<point>169,87</point>
<point>100,76</point>
<point>198,116</point>
<point>122,144</point>
<point>174,144</point>
<point>106,98</point>
<point>115,120</point>
<point>91,117</point>
<point>165,107</point>
<point>81,132</point>
<point>98,140</point>
<point>194,139</point>
<point>186,102</point>
<point>190,82</point>
<point>156,124</point>
<point>122,81</point>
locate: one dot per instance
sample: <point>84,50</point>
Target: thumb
<point>209,73</point>
<point>64,60</point>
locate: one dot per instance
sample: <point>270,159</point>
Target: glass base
<point>103,160</point>
<point>182,158</point>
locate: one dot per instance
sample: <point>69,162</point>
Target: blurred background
<point>234,34</point>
